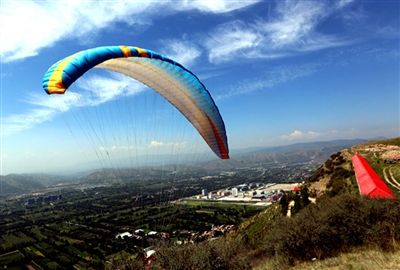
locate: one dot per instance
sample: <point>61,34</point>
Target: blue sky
<point>280,72</point>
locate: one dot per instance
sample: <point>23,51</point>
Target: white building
<point>123,235</point>
<point>139,232</point>
<point>150,253</point>
<point>235,192</point>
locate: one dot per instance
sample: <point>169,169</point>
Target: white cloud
<point>290,30</point>
<point>60,103</point>
<point>26,26</point>
<point>343,3</point>
<point>300,135</point>
<point>156,144</point>
<point>271,78</point>
<point>117,148</point>
<point>293,22</point>
<point>94,91</point>
<point>182,51</point>
<point>214,6</point>
<point>342,133</point>
<point>102,89</point>
<point>231,39</point>
<point>18,122</point>
<point>346,133</point>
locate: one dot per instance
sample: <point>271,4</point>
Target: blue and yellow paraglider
<point>170,79</point>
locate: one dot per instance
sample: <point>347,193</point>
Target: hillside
<point>335,179</point>
<point>14,183</point>
<point>336,175</point>
<point>341,230</point>
<point>358,258</point>
<point>331,228</point>
<point>19,183</point>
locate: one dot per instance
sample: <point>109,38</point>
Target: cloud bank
<point>300,135</point>
<point>291,29</point>
<point>44,23</point>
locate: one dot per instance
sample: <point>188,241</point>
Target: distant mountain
<point>315,152</point>
<point>301,146</point>
<point>252,155</point>
<point>17,183</point>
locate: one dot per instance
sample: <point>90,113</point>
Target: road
<point>389,177</point>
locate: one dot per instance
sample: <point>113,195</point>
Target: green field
<point>11,258</point>
<point>76,234</point>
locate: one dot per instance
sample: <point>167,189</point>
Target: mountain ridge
<point>265,156</point>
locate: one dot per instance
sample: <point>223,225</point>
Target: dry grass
<point>320,186</point>
<point>358,259</point>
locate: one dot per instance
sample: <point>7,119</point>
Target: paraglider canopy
<point>168,78</point>
<point>369,182</point>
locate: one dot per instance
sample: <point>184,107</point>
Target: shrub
<point>220,254</point>
<point>335,225</point>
